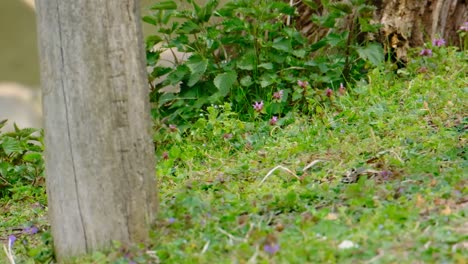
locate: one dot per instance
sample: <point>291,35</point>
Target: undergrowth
<point>377,175</point>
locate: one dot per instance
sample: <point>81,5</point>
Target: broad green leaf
<point>373,52</point>
<point>246,81</point>
<point>197,66</point>
<point>224,82</point>
<point>282,44</point>
<point>164,5</point>
<point>300,53</point>
<point>247,62</point>
<point>267,65</point>
<point>32,157</point>
<point>11,145</point>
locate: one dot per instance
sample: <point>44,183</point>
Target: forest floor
<point>377,176</point>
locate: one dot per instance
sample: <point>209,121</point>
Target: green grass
<point>219,204</point>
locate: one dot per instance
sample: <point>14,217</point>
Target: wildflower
<point>227,136</point>
<point>258,106</point>
<point>30,230</point>
<point>172,128</point>
<point>165,155</point>
<point>273,120</point>
<point>426,52</point>
<point>171,220</point>
<point>303,84</point>
<point>438,42</point>
<point>342,89</point>
<point>464,27</point>
<point>278,95</point>
<point>271,248</point>
<point>328,92</point>
<point>11,240</point>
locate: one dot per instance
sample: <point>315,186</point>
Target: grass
<point>222,202</point>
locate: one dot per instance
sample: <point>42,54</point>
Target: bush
<point>247,54</point>
<point>21,161</point>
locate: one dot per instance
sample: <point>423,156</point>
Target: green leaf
<point>373,53</point>
<point>246,81</point>
<point>11,145</point>
<point>197,66</point>
<point>153,40</point>
<point>247,62</point>
<point>343,7</point>
<point>32,157</point>
<point>188,27</point>
<point>282,44</point>
<point>224,82</point>
<point>267,66</point>
<point>150,20</point>
<point>164,5</point>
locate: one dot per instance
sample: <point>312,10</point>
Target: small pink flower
<point>165,155</point>
<point>227,136</point>
<point>172,128</point>
<point>464,27</point>
<point>328,92</point>
<point>438,42</point>
<point>273,120</point>
<point>278,95</point>
<point>342,89</point>
<point>303,84</point>
<point>426,52</point>
<point>258,106</point>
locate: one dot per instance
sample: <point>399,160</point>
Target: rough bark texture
<point>410,23</point>
<point>406,23</point>
<point>99,153</point>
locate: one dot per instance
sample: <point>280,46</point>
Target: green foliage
<point>244,52</point>
<point>234,191</point>
<point>21,162</point>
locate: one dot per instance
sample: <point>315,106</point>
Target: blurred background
<point>19,63</point>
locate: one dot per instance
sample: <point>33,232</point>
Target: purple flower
<point>11,240</point>
<point>271,248</point>
<point>342,89</point>
<point>273,120</point>
<point>258,106</point>
<point>278,95</point>
<point>171,220</point>
<point>30,230</point>
<point>303,84</point>
<point>426,52</point>
<point>438,42</point>
<point>328,92</point>
<point>464,27</point>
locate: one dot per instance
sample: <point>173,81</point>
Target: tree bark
<point>411,23</point>
<point>406,23</point>
<point>99,153</point>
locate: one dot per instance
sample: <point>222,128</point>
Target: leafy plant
<point>245,52</point>
<point>21,161</point>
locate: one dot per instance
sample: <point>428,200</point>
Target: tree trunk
<point>410,23</point>
<point>99,153</point>
<point>406,23</point>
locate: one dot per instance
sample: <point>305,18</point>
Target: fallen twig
<point>279,167</point>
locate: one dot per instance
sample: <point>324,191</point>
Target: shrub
<point>246,52</point>
<point>21,161</point>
